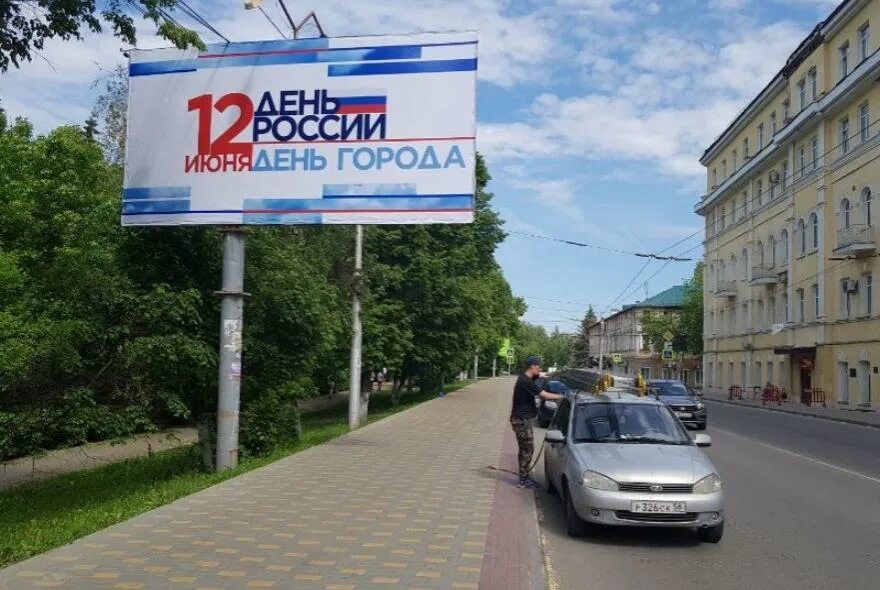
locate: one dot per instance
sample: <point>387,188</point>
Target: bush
<point>267,422</point>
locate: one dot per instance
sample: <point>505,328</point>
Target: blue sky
<point>592,115</point>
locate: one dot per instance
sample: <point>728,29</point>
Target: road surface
<point>802,505</point>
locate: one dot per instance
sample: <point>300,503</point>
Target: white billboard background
<point>428,82</point>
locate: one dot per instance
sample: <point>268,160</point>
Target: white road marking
<point>799,456</point>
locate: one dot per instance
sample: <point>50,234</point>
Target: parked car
<point>546,408</point>
<point>624,460</point>
<point>682,400</point>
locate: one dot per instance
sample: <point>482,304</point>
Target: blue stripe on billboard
<point>145,207</point>
<point>354,190</point>
<point>156,192</point>
<point>410,203</point>
<point>281,57</point>
<point>283,218</point>
<point>397,196</point>
<point>359,100</point>
<point>403,67</point>
<point>271,45</point>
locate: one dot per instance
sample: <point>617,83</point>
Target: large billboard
<point>353,130</point>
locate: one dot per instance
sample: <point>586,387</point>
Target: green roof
<point>671,297</point>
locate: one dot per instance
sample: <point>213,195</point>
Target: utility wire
<point>187,9</point>
<point>272,22</point>
<point>653,256</point>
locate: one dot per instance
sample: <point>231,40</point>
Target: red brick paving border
<point>513,556</point>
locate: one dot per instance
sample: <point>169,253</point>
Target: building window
<point>814,225</point>
<point>786,110</point>
<point>771,245</point>
<point>846,300</point>
<point>759,250</point>
<point>802,94</point>
<point>772,185</point>
<point>723,217</point>
<point>773,123</point>
<point>844,135</point>
<point>803,159</point>
<point>783,239</point>
<point>723,170</point>
<point>734,160</point>
<point>745,315</point>
<point>714,178</point>
<point>771,310</point>
<point>864,39</point>
<point>816,307</point>
<point>845,214</point>
<point>759,317</point>
<point>760,137</point>
<point>868,297</point>
<point>800,312</point>
<point>759,192</point>
<point>732,267</point>
<point>745,207</point>
<point>745,148</point>
<point>814,83</point>
<point>733,326</point>
<point>867,197</point>
<point>722,324</point>
<point>864,122</point>
<point>802,237</point>
<point>814,148</point>
<point>784,175</point>
<point>843,53</point>
<point>745,264</point>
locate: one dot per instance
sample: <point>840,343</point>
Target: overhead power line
<point>654,256</point>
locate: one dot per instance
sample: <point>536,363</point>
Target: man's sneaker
<point>527,483</point>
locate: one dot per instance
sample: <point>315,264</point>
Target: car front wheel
<point>711,534</point>
<point>574,524</point>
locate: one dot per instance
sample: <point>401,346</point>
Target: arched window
<point>866,205</point>
<point>760,253</point>
<point>783,239</point>
<point>814,225</point>
<point>722,272</point>
<point>845,214</point>
<point>771,245</point>
<point>712,277</point>
<point>802,237</point>
<point>732,267</point>
<point>745,265</point>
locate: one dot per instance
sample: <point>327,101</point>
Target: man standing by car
<point>521,416</point>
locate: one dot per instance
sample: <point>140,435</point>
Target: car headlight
<point>699,405</point>
<point>550,405</point>
<point>708,485</point>
<point>597,481</point>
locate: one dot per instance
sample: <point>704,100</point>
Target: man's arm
<point>551,396</point>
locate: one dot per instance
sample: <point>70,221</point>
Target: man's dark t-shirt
<point>524,393</point>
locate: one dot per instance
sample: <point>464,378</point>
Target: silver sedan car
<point>624,460</point>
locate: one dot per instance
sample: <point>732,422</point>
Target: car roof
<point>614,396</point>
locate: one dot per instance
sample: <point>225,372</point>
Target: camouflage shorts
<point>522,428</point>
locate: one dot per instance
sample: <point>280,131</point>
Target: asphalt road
<point>802,509</point>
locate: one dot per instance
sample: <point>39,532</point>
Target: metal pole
<point>476,366</point>
<point>601,345</point>
<point>354,386</point>
<point>229,382</point>
<point>494,367</point>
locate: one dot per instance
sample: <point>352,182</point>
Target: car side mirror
<point>554,436</point>
<point>703,440</point>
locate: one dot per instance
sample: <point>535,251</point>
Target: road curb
<point>855,422</point>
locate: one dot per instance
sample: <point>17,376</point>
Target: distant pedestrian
<point>380,379</point>
<point>523,411</point>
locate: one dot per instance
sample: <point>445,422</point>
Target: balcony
<point>725,289</point>
<point>764,274</point>
<point>856,240</point>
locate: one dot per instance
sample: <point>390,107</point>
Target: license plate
<point>684,414</point>
<point>660,507</point>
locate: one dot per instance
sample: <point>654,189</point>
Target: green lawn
<point>54,512</point>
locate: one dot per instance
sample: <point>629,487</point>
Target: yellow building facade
<point>791,246</point>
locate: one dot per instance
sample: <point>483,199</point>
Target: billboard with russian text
<point>354,130</point>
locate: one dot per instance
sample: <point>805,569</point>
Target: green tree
<point>691,322</point>
<point>26,26</point>
<point>581,339</point>
<point>110,112</point>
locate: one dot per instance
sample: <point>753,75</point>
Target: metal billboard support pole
<point>354,385</point>
<point>602,346</point>
<point>231,316</point>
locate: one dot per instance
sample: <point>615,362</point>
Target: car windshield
<point>627,423</point>
<point>671,389</point>
<point>558,387</point>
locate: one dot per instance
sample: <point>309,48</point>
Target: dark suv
<point>681,399</point>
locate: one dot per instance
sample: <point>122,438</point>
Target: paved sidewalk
<point>851,416</point>
<point>405,502</point>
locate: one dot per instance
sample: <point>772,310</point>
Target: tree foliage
<point>581,340</point>
<point>554,349</point>
<point>106,331</point>
<point>691,323</point>
<point>25,26</point>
